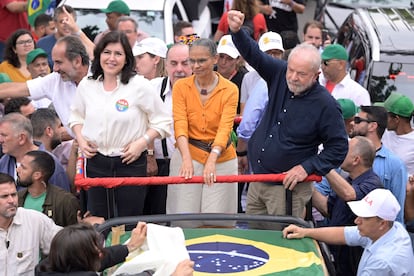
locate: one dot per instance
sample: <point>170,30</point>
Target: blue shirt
<point>393,174</point>
<point>59,177</point>
<point>292,127</point>
<point>391,254</point>
<point>338,209</point>
<point>47,43</point>
<point>253,110</point>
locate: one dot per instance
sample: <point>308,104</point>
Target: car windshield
<point>368,3</point>
<point>93,22</point>
<point>390,77</point>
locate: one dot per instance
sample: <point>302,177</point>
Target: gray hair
<point>19,123</point>
<point>365,149</point>
<point>125,18</point>
<point>74,48</point>
<point>208,43</point>
<point>309,52</point>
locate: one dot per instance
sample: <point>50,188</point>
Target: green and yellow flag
<point>36,7</point>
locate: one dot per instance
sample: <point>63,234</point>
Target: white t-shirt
<point>60,92</point>
<point>402,146</point>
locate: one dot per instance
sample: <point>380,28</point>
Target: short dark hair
<point>179,26</point>
<point>14,104</point>
<point>5,179</point>
<point>74,48</point>
<point>114,37</point>
<point>75,248</point>
<point>43,162</point>
<point>42,20</point>
<point>41,119</point>
<point>9,49</point>
<point>59,10</point>
<point>377,114</point>
<point>312,24</point>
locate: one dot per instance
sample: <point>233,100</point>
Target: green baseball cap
<point>4,78</point>
<point>118,6</point>
<point>334,51</point>
<point>349,109</point>
<point>399,104</point>
<point>34,54</point>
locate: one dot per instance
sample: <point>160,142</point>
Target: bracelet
<point>216,151</point>
<point>147,139</point>
<point>241,153</point>
<point>78,33</point>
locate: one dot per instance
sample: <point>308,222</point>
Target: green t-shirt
<point>35,203</point>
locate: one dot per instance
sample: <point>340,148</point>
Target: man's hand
<point>235,20</point>
<point>88,218</point>
<point>293,176</point>
<point>138,236</point>
<point>293,232</point>
<point>184,268</point>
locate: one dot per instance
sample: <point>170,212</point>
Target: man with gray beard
<point>177,67</point>
<point>300,116</point>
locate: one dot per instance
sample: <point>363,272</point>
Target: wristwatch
<point>150,152</point>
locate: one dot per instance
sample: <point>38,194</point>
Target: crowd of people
<point>131,105</point>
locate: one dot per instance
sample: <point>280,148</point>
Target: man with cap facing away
<point>115,10</point>
<point>229,63</point>
<point>337,80</point>
<point>399,138</point>
<point>387,245</point>
<point>270,43</point>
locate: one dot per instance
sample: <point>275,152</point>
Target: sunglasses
<point>358,120</point>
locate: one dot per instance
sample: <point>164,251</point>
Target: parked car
<point>332,13</point>
<point>154,17</point>
<point>380,45</point>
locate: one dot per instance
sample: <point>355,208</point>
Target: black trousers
<point>156,199</point>
<point>121,201</point>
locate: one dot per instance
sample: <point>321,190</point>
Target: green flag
<point>36,7</point>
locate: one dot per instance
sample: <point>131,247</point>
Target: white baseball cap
<point>377,203</point>
<point>150,45</point>
<point>271,41</point>
<point>226,46</point>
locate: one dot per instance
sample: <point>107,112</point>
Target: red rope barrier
<point>112,182</point>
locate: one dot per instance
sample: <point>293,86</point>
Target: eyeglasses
<point>358,120</point>
<point>24,42</point>
<point>200,61</point>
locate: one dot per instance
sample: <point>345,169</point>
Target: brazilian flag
<point>242,252</point>
<point>36,7</point>
<point>236,252</point>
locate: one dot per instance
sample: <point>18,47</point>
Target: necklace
<point>204,91</point>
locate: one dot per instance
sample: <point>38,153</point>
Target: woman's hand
<point>89,149</point>
<point>138,236</point>
<point>187,170</point>
<point>209,172</point>
<point>133,151</point>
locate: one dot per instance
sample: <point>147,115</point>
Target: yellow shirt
<point>212,121</point>
<point>14,74</point>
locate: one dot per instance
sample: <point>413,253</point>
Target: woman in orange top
<point>19,44</point>
<point>204,107</point>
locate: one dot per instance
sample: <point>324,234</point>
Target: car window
<point>93,22</point>
<point>390,77</point>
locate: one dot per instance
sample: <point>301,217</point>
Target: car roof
<point>155,5</point>
<point>391,30</point>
